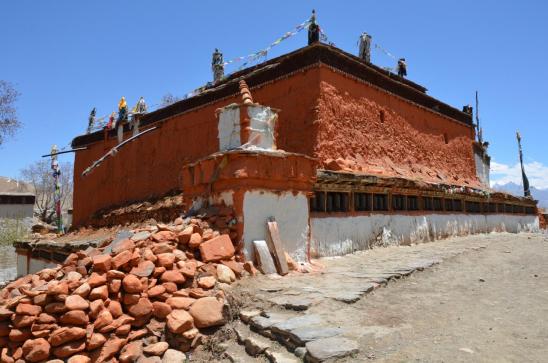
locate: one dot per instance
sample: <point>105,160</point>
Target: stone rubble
<point>139,298</point>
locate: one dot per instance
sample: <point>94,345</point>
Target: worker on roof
<point>140,107</point>
<point>402,67</point>
<point>110,124</point>
<point>122,111</point>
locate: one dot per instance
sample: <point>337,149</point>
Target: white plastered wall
<point>30,266</point>
<point>229,128</point>
<point>334,236</point>
<point>291,213</point>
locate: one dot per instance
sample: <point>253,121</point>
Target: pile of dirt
<point>140,294</point>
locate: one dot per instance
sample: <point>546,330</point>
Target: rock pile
<point>130,299</point>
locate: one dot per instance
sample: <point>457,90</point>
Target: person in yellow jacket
<point>122,111</point>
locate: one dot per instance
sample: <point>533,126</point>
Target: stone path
<point>310,316</point>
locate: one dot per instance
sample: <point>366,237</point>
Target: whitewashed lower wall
<point>291,213</point>
<point>333,236</point>
<point>31,265</point>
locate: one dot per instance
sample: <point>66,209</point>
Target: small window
<point>446,138</point>
<point>362,202</point>
<point>508,208</point>
<point>457,205</point>
<point>380,202</point>
<point>448,205</point>
<point>398,202</point>
<point>412,202</point>
<point>337,202</point>
<point>492,207</point>
<point>381,116</point>
<point>436,202</point>
<point>473,207</point>
<point>317,202</point>
<point>427,203</point>
<point>500,207</point>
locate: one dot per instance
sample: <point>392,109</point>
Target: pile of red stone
<point>129,300</point>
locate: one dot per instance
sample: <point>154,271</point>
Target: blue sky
<point>66,57</point>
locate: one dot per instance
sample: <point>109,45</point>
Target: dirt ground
<point>485,301</point>
<point>489,305</point>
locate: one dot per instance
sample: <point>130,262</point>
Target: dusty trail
<point>485,300</point>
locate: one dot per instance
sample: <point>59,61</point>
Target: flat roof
<point>291,62</point>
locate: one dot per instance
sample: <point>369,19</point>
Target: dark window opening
<point>530,210</point>
<point>381,116</point>
<point>508,208</point>
<point>457,205</point>
<point>449,205</point>
<point>473,207</point>
<point>412,203</point>
<point>398,202</point>
<point>446,138</point>
<point>436,202</point>
<point>427,203</point>
<point>337,202</point>
<point>362,202</point>
<point>492,208</point>
<point>317,202</point>
<point>380,202</point>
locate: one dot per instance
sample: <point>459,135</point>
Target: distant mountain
<point>516,189</point>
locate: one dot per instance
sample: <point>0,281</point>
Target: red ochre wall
<point>151,166</point>
<point>405,141</point>
<point>324,114</point>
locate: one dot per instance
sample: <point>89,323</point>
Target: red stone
<point>58,288</point>
<point>76,302</point>
<point>132,284</point>
<point>217,249</point>
<point>161,309</point>
<point>121,246</point>
<point>207,312</point>
<point>97,279</point>
<point>173,276</point>
<point>179,321</point>
<point>131,352</point>
<point>121,259</point>
<point>195,240</point>
<point>110,348</point>
<point>166,260</point>
<point>171,287</point>
<point>144,269</point>
<point>95,307</point>
<point>101,263</point>
<point>142,308</point>
<point>68,349</point>
<point>75,317</point>
<point>115,308</point>
<point>100,292</point>
<point>163,236</point>
<point>189,269</point>
<point>66,334</point>
<point>103,319</point>
<point>36,350</point>
<point>95,341</point>
<point>23,321</point>
<point>156,291</point>
<point>79,358</point>
<point>180,302</point>
<point>114,274</point>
